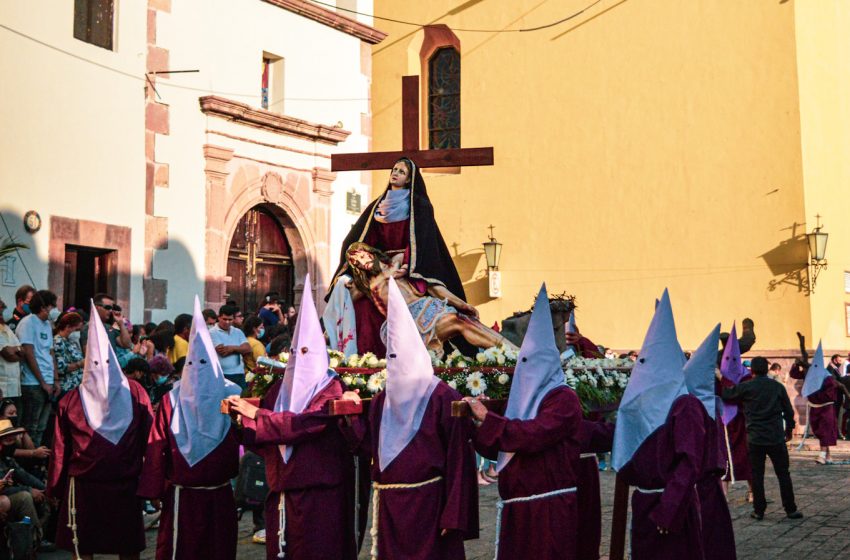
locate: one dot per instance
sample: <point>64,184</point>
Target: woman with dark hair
<point>69,358</point>
<point>254,330</point>
<point>401,220</point>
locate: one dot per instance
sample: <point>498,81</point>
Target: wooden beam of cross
<point>453,157</point>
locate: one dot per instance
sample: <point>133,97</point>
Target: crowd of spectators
<point>42,357</point>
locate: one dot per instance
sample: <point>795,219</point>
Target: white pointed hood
<point>196,422</point>
<point>655,382</point>
<point>104,390</point>
<point>816,374</point>
<point>538,370</point>
<point>699,372</point>
<point>410,380</point>
<point>307,372</point>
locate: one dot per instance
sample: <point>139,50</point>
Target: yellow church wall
<point>640,146</point>
<point>823,59</point>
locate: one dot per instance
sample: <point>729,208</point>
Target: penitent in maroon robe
<point>594,437</point>
<point>105,478</point>
<point>822,421</point>
<point>317,482</point>
<point>206,515</point>
<point>734,437</point>
<point>672,459</point>
<point>410,520</point>
<point>718,536</point>
<point>546,456</point>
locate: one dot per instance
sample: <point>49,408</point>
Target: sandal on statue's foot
<point>820,461</point>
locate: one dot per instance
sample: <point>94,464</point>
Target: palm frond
<point>9,246</point>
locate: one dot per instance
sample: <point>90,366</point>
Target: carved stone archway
<point>300,200</point>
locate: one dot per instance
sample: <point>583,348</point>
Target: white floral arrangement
<point>599,382</point>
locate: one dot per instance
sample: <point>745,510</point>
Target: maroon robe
<point>587,349</point>
<point>546,456</point>
<point>411,520</point>
<point>671,458</point>
<point>594,437</point>
<point>718,536</point>
<point>205,493</point>
<point>822,421</point>
<point>109,514</point>
<point>317,482</point>
<point>736,433</point>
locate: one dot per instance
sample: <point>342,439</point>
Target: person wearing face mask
<point>23,296</point>
<point>11,355</point>
<point>161,380</point>
<point>69,357</point>
<point>38,384</point>
<point>254,330</point>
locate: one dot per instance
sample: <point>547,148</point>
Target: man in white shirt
<point>38,385</point>
<point>11,355</point>
<point>230,344</point>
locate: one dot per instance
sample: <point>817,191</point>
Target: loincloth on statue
<point>426,311</point>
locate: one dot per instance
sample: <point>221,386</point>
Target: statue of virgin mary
<point>401,220</point>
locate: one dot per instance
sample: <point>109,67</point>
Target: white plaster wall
<point>72,121</point>
<point>224,40</point>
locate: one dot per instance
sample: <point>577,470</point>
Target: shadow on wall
<point>85,258</point>
<point>788,261</point>
<point>475,284</point>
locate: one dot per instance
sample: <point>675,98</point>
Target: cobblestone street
<point>820,535</point>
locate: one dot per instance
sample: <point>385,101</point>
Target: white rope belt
<point>813,405</point>
<point>72,515</point>
<point>650,490</point>
<point>377,489</point>
<point>730,465</point>
<point>500,505</point>
<point>177,488</point>
<point>281,525</point>
<point>587,456</point>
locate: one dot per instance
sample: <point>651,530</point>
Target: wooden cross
<point>453,157</point>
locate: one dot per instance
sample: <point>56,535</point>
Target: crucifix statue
<point>400,221</point>
<point>453,157</point>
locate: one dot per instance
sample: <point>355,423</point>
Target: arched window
<point>444,99</point>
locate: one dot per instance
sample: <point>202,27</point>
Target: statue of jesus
<point>438,313</point>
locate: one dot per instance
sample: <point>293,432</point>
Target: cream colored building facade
<point>147,173</point>
<point>642,146</point>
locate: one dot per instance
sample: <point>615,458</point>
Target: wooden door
<point>259,260</point>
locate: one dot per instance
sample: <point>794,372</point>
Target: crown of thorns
<point>562,302</point>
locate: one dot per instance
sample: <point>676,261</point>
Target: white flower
<point>461,364</point>
<point>333,363</point>
<point>382,363</point>
<point>284,357</point>
<point>452,383</point>
<point>503,379</point>
<point>372,361</point>
<point>249,377</point>
<point>374,384</point>
<point>268,378</point>
<point>500,359</point>
<point>382,374</point>
<point>348,380</point>
<point>475,383</point>
<point>352,360</point>
<point>481,358</point>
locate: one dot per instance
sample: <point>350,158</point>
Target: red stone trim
<point>332,19</point>
<point>70,231</point>
<point>243,113</point>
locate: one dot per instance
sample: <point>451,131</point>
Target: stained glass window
<point>93,20</point>
<point>444,99</point>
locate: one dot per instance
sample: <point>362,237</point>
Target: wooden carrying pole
<point>460,409</point>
